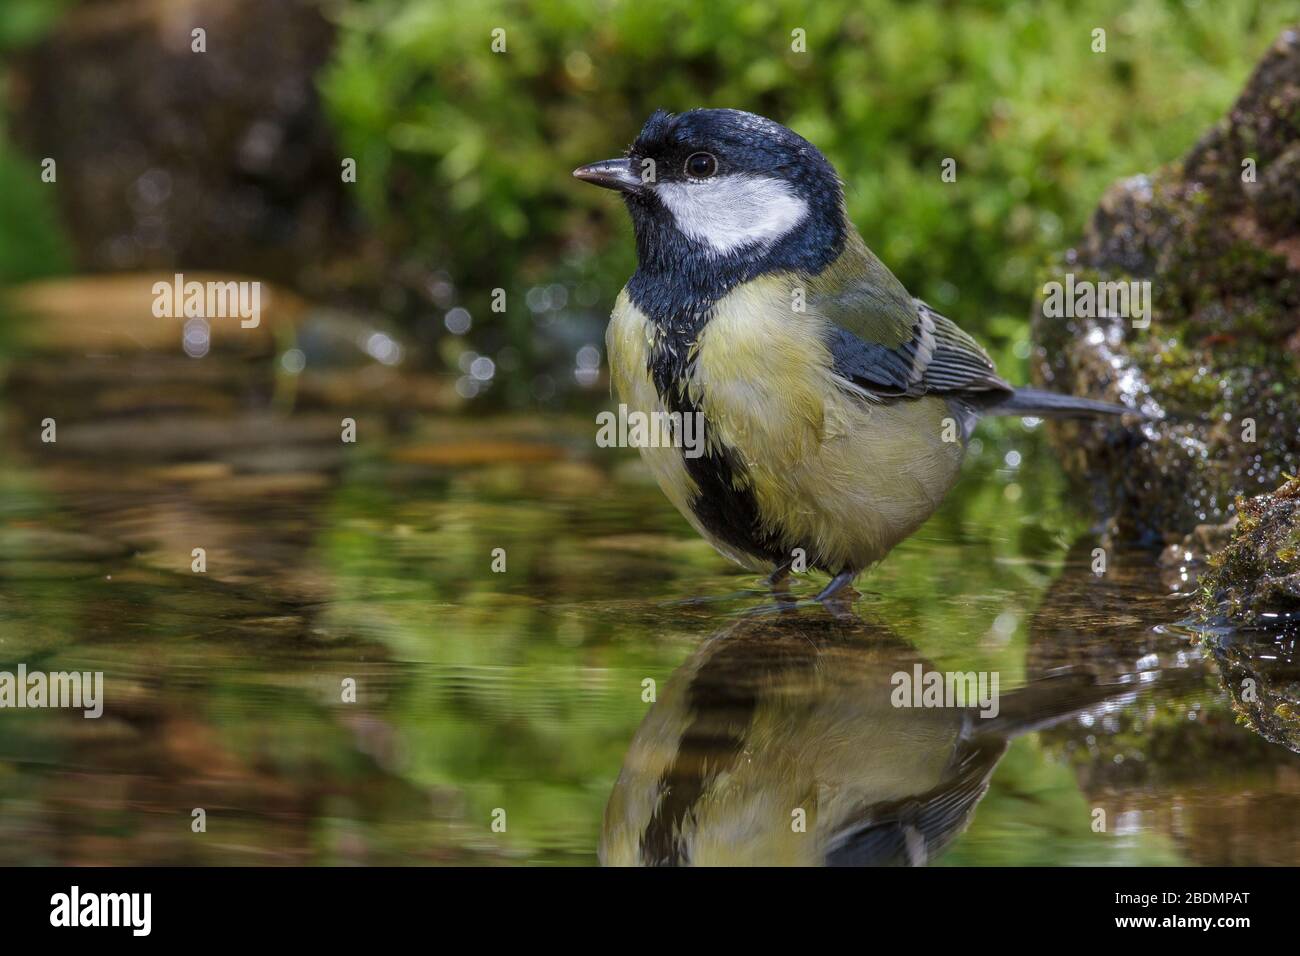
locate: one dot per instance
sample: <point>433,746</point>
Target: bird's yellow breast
<point>629,340</point>
<point>762,375</point>
<point>831,472</point>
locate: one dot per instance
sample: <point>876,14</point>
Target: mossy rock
<point>1255,580</point>
<point>1249,606</point>
<point>1262,678</point>
<point>1217,236</point>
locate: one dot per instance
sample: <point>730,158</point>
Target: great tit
<point>835,407</point>
<point>781,741</point>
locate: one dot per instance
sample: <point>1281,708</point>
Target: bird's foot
<point>837,585</point>
<point>839,604</point>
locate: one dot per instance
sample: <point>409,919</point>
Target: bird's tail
<point>1038,403</point>
<point>1047,701</point>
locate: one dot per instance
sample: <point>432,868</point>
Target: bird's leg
<point>779,574</point>
<point>838,582</point>
<point>779,583</point>
<point>834,598</point>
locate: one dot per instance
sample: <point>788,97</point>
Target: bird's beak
<point>610,173</point>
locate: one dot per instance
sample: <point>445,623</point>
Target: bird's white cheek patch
<point>732,212</point>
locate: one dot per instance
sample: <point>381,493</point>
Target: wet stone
<point>1255,580</point>
<point>1216,367</point>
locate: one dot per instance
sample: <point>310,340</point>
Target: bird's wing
<point>890,345</point>
<point>915,830</point>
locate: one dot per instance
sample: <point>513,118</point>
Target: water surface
<point>617,681</point>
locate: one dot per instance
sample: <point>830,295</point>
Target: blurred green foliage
<point>23,22</point>
<point>465,154</point>
<point>32,243</point>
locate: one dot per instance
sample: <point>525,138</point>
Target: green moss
<point>1247,578</point>
<point>1175,373</point>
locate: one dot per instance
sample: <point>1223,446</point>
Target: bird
<point>781,741</point>
<point>834,407</point>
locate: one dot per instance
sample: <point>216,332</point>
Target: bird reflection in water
<point>778,742</point>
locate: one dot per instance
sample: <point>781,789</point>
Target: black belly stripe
<point>722,699</point>
<point>703,753</point>
<point>724,504</point>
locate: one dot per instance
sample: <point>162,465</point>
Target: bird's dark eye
<point>701,165</point>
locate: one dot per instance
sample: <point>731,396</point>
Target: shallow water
<point>524,696</point>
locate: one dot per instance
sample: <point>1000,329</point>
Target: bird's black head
<point>721,196</point>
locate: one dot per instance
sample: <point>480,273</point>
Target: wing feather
<point>892,346</point>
